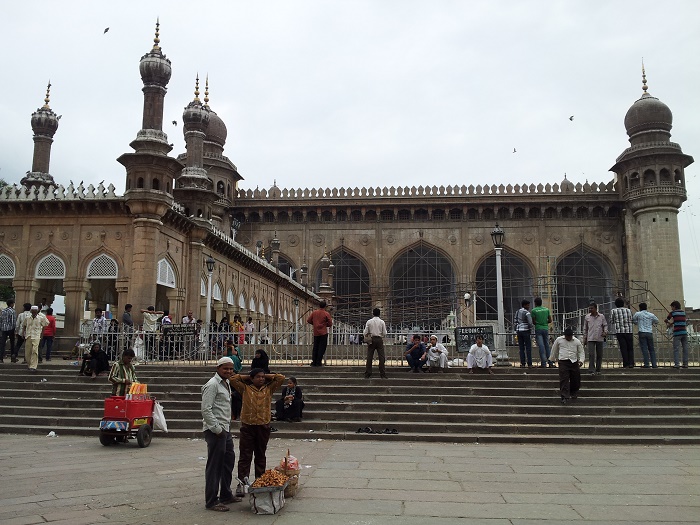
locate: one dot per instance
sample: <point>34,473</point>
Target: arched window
<point>268,217</point>
<point>155,184</point>
<point>534,213</point>
<point>649,178</point>
<point>283,217</point>
<point>421,288</point>
<point>582,277</point>
<point>371,216</point>
<point>567,213</point>
<point>519,213</point>
<point>404,215</point>
<point>356,215</point>
<point>503,213</point>
<point>139,182</point>
<point>351,283</point>
<point>203,287</point>
<point>7,267</point>
<point>312,216</point>
<point>438,215</point>
<point>517,285</point>
<point>421,214</point>
<point>166,274</point>
<point>326,216</point>
<point>472,214</point>
<point>387,215</point>
<point>297,216</point>
<point>550,213</point>
<point>241,301</point>
<point>220,188</point>
<point>254,217</point>
<point>50,267</point>
<point>102,267</point>
<point>455,214</point>
<point>582,212</point>
<point>665,177</point>
<point>216,292</point>
<point>487,214</point>
<point>230,297</point>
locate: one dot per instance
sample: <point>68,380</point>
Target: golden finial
<point>196,89</point>
<point>46,100</point>
<point>206,91</point>
<point>644,78</point>
<point>156,40</point>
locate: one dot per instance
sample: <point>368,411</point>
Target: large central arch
<point>351,283</point>
<point>583,276</point>
<point>422,288</point>
<point>517,285</point>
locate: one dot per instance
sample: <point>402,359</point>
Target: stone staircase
<point>636,406</point>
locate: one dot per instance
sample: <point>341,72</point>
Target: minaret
<point>651,182</point>
<point>149,170</point>
<point>150,173</point>
<point>194,189</point>
<point>44,125</point>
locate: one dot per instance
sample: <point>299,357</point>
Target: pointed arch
<point>583,275</point>
<point>8,268</point>
<point>166,275</point>
<point>216,291</point>
<point>518,283</point>
<point>422,286</point>
<point>102,267</point>
<point>231,296</point>
<point>242,301</point>
<point>50,266</point>
<point>251,304</point>
<point>203,287</point>
<point>351,281</point>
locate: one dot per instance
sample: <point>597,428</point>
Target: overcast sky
<point>362,93</point>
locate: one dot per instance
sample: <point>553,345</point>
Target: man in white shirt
<point>569,353</point>
<point>33,326</point>
<point>374,334</point>
<point>437,355</point>
<point>480,356</point>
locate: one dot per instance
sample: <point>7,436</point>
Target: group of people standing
<point>256,389</point>
<point>32,328</point>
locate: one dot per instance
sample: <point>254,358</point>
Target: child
<point>256,389</point>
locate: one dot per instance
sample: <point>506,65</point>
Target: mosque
<point>413,251</point>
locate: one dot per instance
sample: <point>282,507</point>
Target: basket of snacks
<point>289,466</point>
<point>267,492</point>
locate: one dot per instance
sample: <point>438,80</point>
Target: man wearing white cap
<point>33,326</point>
<point>216,415</point>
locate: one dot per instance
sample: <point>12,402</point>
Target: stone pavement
<point>75,480</point>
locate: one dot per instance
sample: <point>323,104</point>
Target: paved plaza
<point>75,480</point>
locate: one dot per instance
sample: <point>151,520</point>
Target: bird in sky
<point>514,150</point>
<point>106,29</point>
<point>174,122</point>
<point>571,118</point>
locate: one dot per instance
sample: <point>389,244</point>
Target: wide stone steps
<point>511,406</point>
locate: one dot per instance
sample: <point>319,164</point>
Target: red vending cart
<point>125,417</point>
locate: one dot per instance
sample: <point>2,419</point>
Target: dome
<point>646,114</point>
<point>216,132</point>
<point>195,117</point>
<point>44,122</point>
<point>566,184</point>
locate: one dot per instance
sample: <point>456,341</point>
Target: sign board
<point>465,337</point>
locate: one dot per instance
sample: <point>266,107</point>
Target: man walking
<point>678,321</point>
<point>19,328</point>
<point>542,317</point>
<point>595,330</point>
<point>321,320</point>
<point>621,318</point>
<point>216,416</point>
<point>568,351</point>
<point>8,319</point>
<point>33,327</point>
<point>645,322</point>
<point>524,326</point>
<point>374,333</point>
<point>127,325</point>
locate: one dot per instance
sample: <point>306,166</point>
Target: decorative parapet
<point>656,190</point>
<point>649,145</point>
<point>259,260</point>
<point>58,193</point>
<point>429,191</point>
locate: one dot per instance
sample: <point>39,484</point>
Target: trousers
<point>219,470</point>
<point>253,441</point>
<point>378,345</point>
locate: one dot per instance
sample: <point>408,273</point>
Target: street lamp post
<point>296,321</point>
<point>207,315</point>
<point>497,236</point>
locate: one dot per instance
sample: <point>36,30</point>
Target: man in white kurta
<point>479,355</point>
<point>33,326</point>
<point>437,355</point>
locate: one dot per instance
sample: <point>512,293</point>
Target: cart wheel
<point>106,439</point>
<point>143,436</point>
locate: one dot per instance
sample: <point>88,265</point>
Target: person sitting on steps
<point>416,354</point>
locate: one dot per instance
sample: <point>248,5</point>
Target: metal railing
<point>181,344</point>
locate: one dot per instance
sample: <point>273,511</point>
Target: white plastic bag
<point>139,348</point>
<point>267,500</point>
<point>159,422</point>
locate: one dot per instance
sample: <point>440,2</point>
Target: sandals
<point>368,430</point>
<point>219,508</point>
